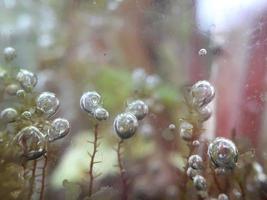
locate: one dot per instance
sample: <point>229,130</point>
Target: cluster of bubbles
<point>32,117</point>
<point>91,103</point>
<point>126,124</point>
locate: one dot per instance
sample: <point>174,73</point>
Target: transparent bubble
<point>195,161</point>
<point>200,182</point>
<point>152,81</point>
<point>101,114</point>
<point>223,197</point>
<point>138,108</point>
<point>48,103</point>
<point>202,52</point>
<point>26,114</point>
<point>204,113</point>
<point>31,142</point>
<point>202,93</point>
<point>12,89</point>
<point>186,130</point>
<point>196,143</point>
<point>172,127</point>
<point>191,173</point>
<point>27,79</point>
<point>223,153</point>
<point>9,115</point>
<point>125,125</point>
<point>21,93</point>
<point>9,53</point>
<point>59,128</point>
<point>90,101</point>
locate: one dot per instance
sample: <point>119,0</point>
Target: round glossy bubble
<point>202,93</point>
<point>9,115</point>
<point>195,143</point>
<point>21,93</point>
<point>26,114</point>
<point>186,130</point>
<point>9,53</point>
<point>138,108</point>
<point>59,128</point>
<point>223,197</point>
<point>90,101</point>
<point>31,142</point>
<point>101,114</point>
<point>200,182</point>
<point>172,127</point>
<point>191,173</point>
<point>125,125</point>
<point>202,52</point>
<point>195,161</point>
<point>48,103</point>
<point>12,89</point>
<point>27,79</point>
<point>223,153</point>
<point>204,113</point>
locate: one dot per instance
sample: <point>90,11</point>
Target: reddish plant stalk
<point>32,178</point>
<point>43,178</point>
<point>92,161</point>
<point>122,172</point>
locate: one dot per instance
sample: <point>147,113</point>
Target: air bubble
<point>200,182</point>
<point>195,161</point>
<point>31,141</point>
<point>196,143</point>
<point>48,103</point>
<point>9,115</point>
<point>223,197</point>
<point>191,173</point>
<point>9,53</point>
<point>172,127</point>
<point>186,130</point>
<point>125,125</point>
<point>204,113</point>
<point>21,93</point>
<point>26,115</point>
<point>223,153</point>
<point>27,79</point>
<point>138,108</point>
<point>90,101</point>
<point>202,52</point>
<point>202,93</point>
<point>101,114</point>
<point>59,128</point>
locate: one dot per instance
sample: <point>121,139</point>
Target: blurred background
<point>147,49</point>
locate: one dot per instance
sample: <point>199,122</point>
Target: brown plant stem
<point>43,178</point>
<point>92,162</point>
<point>32,179</point>
<point>122,172</point>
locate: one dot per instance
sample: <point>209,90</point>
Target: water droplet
<point>138,108</point>
<point>200,182</point>
<point>31,141</point>
<point>196,143</point>
<point>27,79</point>
<point>202,52</point>
<point>12,89</point>
<point>125,125</point>
<point>223,153</point>
<point>9,115</point>
<point>59,128</point>
<point>195,161</point>
<point>48,103</point>
<point>9,53</point>
<point>223,197</point>
<point>21,93</point>
<point>90,101</point>
<point>186,130</point>
<point>191,173</point>
<point>172,127</point>
<point>101,114</point>
<point>204,113</point>
<point>152,81</point>
<point>26,114</point>
<point>202,93</point>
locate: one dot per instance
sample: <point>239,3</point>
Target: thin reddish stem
<point>43,178</point>
<point>32,178</point>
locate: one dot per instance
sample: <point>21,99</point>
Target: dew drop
<point>200,182</point>
<point>125,125</point>
<point>26,114</point>
<point>48,103</point>
<point>191,173</point>
<point>90,101</point>
<point>138,108</point>
<point>195,161</point>
<point>27,79</point>
<point>21,94</point>
<point>223,153</point>
<point>196,143</point>
<point>186,130</point>
<point>204,113</point>
<point>9,53</point>
<point>223,197</point>
<point>31,142</point>
<point>9,115</point>
<point>172,127</point>
<point>202,52</point>
<point>101,114</point>
<point>59,128</point>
